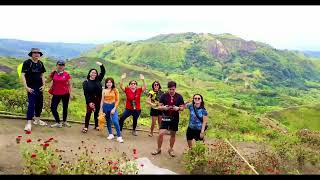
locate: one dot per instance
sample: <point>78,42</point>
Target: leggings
<point>96,101</point>
<point>54,106</point>
<point>135,114</point>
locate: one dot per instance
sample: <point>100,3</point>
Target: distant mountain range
<point>20,49</point>
<point>313,53</point>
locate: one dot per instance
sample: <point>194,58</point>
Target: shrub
<point>43,159</point>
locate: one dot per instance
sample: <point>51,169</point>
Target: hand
<point>123,75</point>
<point>201,135</point>
<point>92,105</point>
<point>29,90</point>
<point>41,88</point>
<point>176,108</point>
<point>141,76</point>
<point>99,63</point>
<point>113,111</point>
<point>166,108</point>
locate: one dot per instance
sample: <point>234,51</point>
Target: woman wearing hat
<point>60,90</point>
<point>34,83</point>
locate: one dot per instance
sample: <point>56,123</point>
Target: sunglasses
<point>133,83</point>
<point>61,64</point>
<point>197,98</point>
<point>35,53</point>
<point>156,84</point>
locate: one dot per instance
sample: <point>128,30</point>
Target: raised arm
<point>121,81</point>
<point>144,86</point>
<point>102,71</point>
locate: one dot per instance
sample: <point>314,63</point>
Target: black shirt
<point>93,88</point>
<point>177,100</point>
<point>33,73</point>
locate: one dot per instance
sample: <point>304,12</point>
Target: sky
<point>283,27</point>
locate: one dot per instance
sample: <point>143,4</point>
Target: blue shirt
<point>194,122</point>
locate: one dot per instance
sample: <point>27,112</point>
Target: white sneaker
<point>58,125</point>
<point>111,136</point>
<point>27,127</point>
<point>119,139</point>
<point>38,121</point>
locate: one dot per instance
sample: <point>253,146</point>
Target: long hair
<point>154,83</point>
<point>109,79</point>
<point>88,76</point>
<point>202,101</point>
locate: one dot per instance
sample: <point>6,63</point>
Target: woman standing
<point>92,90</point>
<point>133,95</point>
<point>197,121</point>
<point>109,105</point>
<point>61,90</point>
<point>153,100</point>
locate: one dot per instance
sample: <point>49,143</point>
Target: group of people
<point>103,100</point>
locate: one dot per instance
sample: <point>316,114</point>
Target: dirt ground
<point>70,138</point>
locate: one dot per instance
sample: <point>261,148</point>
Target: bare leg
<point>152,125</point>
<point>160,138</point>
<point>172,138</point>
<point>189,143</point>
<point>159,121</point>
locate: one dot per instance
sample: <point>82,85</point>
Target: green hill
<point>216,56</point>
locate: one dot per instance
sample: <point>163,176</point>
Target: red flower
<point>28,132</point>
<point>119,173</point>
<point>29,141</point>
<point>33,155</point>
<point>269,169</point>
<point>134,151</point>
<point>18,139</point>
<point>46,145</point>
<point>114,167</point>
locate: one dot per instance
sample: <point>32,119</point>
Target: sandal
<point>156,152</point>
<point>85,130</point>
<point>171,153</point>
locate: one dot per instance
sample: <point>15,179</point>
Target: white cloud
<point>280,26</point>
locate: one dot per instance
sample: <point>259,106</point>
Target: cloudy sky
<point>283,27</point>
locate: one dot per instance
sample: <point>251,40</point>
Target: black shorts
<point>170,125</point>
<point>155,112</point>
<point>193,134</point>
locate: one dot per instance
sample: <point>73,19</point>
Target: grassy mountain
<point>224,57</point>
<point>20,49</point>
